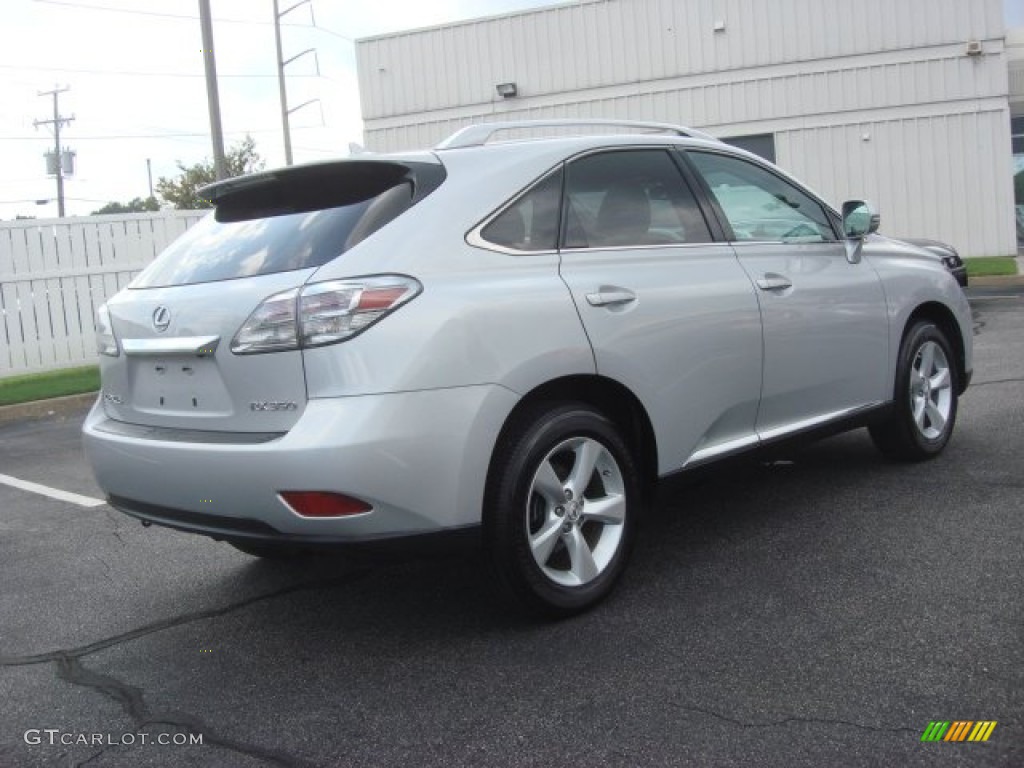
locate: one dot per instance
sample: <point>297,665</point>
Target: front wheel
<point>560,511</point>
<point>925,403</point>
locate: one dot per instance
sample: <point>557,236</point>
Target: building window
<point>762,145</point>
<point>1017,129</point>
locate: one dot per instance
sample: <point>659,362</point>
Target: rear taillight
<point>322,313</point>
<point>324,504</point>
<point>270,328</point>
<point>106,342</point>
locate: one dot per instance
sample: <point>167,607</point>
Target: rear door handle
<point>774,282</point>
<point>608,296</point>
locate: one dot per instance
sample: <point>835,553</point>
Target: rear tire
<point>925,397</point>
<point>266,551</point>
<point>560,509</point>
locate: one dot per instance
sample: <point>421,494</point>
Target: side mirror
<point>860,219</point>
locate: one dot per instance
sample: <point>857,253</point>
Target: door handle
<point>609,296</point>
<point>774,282</point>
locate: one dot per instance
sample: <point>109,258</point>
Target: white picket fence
<point>55,273</point>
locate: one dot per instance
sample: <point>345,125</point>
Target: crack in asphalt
<point>69,668</point>
<point>175,621</point>
<point>90,758</point>
<point>996,381</point>
<point>115,522</point>
<point>106,570</point>
<point>794,719</point>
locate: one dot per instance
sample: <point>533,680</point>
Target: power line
<point>181,134</point>
<point>137,73</point>
<point>181,16</point>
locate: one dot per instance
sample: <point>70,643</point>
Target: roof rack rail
<point>478,135</point>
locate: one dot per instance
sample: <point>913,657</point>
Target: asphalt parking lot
<point>818,610</point>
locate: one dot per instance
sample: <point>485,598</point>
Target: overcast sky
<point>137,90</point>
<point>135,71</point>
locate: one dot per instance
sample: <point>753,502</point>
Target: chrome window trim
<point>648,247</point>
<point>476,239</point>
<point>473,238</point>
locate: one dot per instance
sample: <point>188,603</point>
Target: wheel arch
<point>943,317</point>
<point>616,401</point>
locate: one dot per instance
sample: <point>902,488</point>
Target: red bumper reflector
<point>323,504</point>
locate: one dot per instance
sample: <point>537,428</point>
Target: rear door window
<point>630,198</point>
<point>302,218</point>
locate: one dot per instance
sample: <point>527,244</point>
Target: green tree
<point>183,191</point>
<point>138,205</point>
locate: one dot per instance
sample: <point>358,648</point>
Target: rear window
<point>288,220</point>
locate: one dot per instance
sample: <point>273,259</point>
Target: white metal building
<point>905,103</point>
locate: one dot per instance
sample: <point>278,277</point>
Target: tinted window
<point>624,198</point>
<point>530,223</point>
<point>290,219</point>
<point>760,205</point>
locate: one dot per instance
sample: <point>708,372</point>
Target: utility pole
<point>212,94</point>
<point>56,122</point>
<point>281,64</point>
<point>149,173</point>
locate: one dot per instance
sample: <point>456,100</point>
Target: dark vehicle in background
<point>950,258</point>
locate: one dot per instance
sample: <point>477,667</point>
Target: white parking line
<point>53,493</point>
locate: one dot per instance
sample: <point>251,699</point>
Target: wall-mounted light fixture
<point>507,90</point>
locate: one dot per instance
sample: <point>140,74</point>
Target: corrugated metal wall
<point>946,177</point>
<point>819,74</point>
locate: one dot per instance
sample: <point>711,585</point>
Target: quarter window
<point>531,222</point>
<point>628,198</point>
<point>761,206</point>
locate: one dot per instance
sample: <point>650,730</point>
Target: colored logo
<point>958,730</point>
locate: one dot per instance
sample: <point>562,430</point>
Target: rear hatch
<point>174,324</point>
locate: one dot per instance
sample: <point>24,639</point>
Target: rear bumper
<point>419,458</point>
<point>245,529</point>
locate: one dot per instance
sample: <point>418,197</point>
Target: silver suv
<point>510,341</point>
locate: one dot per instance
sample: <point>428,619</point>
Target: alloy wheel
<point>575,511</point>
<point>931,395</point>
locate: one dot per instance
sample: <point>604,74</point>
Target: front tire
<point>925,399</point>
<point>560,509</point>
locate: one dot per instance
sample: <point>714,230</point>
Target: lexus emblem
<point>161,318</point>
